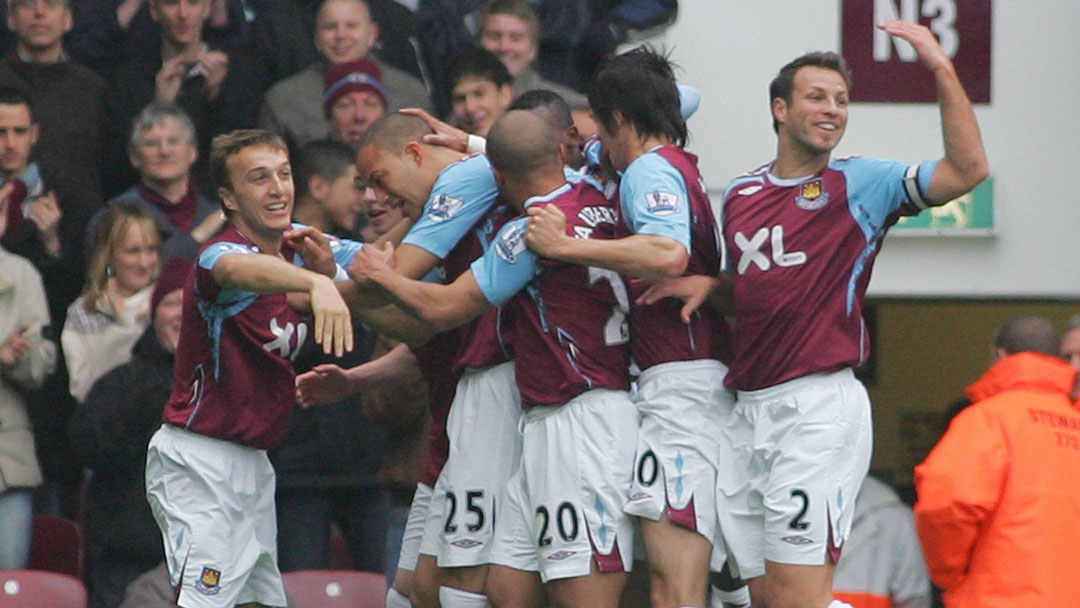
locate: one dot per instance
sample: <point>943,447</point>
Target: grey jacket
<point>293,107</point>
<point>22,303</point>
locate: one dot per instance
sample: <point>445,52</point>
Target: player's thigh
<point>682,405</point>
<point>818,463</point>
<point>577,463</point>
<point>485,449</point>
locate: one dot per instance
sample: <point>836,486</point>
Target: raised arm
<point>641,255</point>
<point>964,164</point>
<point>264,273</point>
<point>440,306</point>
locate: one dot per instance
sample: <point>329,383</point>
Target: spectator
<point>114,308</point>
<point>110,431</point>
<point>393,394</point>
<point>34,214</point>
<point>216,88</point>
<point>67,101</point>
<point>282,36</point>
<point>997,508</point>
<point>344,32</point>
<point>510,29</point>
<point>354,99</point>
<point>162,148</point>
<point>108,32</point>
<point>575,35</point>
<point>1070,342</point>
<point>26,358</point>
<point>882,563</point>
<point>480,89</point>
<point>326,194</point>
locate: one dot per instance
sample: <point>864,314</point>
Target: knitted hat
<point>173,277</point>
<point>343,78</point>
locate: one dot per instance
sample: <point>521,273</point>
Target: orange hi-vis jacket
<point>998,513</point>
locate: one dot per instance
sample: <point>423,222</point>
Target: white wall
<point>731,49</point>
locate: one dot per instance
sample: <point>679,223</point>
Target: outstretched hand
<point>926,45</point>
<point>333,321</point>
<point>692,289</point>
<point>325,383</point>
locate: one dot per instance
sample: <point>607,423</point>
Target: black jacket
<point>110,432</point>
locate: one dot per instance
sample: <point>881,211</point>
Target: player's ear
<point>318,186</point>
<point>227,198</point>
<point>779,110</point>
<point>414,151</point>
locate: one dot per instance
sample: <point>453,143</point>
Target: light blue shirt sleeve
<point>507,266</point>
<point>210,256</point>
<point>344,250</point>
<point>462,194</point>
<point>655,200</point>
<point>876,188</point>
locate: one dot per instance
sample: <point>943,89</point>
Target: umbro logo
<point>797,540</point>
<point>466,543</point>
<point>561,555</point>
<point>640,496</point>
<point>747,191</point>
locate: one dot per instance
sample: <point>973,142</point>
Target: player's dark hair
<point>324,158</point>
<point>391,132</point>
<point>782,86</point>
<point>1027,333</point>
<point>476,62</point>
<point>11,96</point>
<point>640,85</point>
<point>548,104</point>
<point>224,146</point>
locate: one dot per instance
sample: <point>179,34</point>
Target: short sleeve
<point>461,195</point>
<point>655,200</point>
<point>507,266</point>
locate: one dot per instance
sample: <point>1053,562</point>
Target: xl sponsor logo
<point>750,250</point>
<point>284,342</point>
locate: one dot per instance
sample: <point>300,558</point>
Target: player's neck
<point>266,239</point>
<point>638,146</point>
<point>516,192</point>
<point>796,161</point>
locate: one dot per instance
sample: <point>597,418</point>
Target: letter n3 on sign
<point>886,69</point>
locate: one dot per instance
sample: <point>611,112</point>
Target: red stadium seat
<point>335,588</point>
<point>57,545</point>
<point>34,589</point>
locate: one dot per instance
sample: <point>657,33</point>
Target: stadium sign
<point>971,214</point>
<point>887,69</point>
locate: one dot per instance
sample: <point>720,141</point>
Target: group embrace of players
<point>568,309</point>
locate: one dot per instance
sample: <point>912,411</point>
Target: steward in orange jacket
<point>998,513</point>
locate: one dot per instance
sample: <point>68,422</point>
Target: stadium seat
<point>57,545</point>
<point>335,588</point>
<point>36,589</point>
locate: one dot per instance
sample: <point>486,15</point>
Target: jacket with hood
<point>882,565</point>
<point>999,510</point>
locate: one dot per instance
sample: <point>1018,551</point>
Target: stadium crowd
<point>496,285</point>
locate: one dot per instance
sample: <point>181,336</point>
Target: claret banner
<point>887,69</point>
